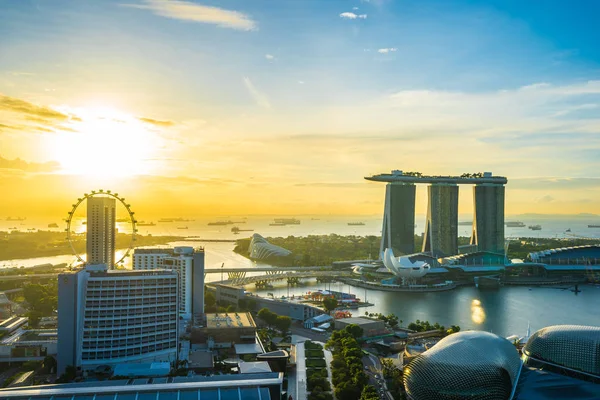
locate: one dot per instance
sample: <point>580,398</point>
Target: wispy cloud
<point>157,122</point>
<point>387,50</point>
<point>546,199</point>
<point>20,165</point>
<point>351,15</point>
<point>188,11</point>
<point>270,57</point>
<point>13,104</point>
<point>260,98</point>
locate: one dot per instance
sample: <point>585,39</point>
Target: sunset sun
<point>105,143</point>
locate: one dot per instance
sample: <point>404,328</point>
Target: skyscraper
<point>189,264</point>
<point>488,221</point>
<point>109,317</point>
<point>441,228</point>
<point>398,231</point>
<point>100,241</point>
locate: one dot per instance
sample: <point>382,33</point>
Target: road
<point>309,334</point>
<point>374,371</point>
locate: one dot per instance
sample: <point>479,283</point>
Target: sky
<point>245,107</point>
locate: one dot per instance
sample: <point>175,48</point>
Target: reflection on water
<point>477,313</point>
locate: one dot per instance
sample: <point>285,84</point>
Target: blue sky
<point>323,92</point>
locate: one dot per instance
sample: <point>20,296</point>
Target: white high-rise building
<point>100,239</point>
<point>189,264</point>
<point>110,317</point>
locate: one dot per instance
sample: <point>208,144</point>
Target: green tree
<point>330,304</point>
<point>355,330</point>
<point>283,323</point>
<point>266,315</point>
<point>369,393</point>
<point>49,364</point>
<point>209,299</point>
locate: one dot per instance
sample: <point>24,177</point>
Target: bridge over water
<point>240,278</point>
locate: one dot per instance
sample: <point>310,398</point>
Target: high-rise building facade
<point>101,232</point>
<point>398,231</point>
<point>441,227</point>
<point>188,262</point>
<point>488,219</point>
<point>109,317</point>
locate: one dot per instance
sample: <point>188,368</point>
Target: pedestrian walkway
<point>300,372</point>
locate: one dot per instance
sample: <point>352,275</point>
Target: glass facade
<point>567,349</point>
<point>473,365</point>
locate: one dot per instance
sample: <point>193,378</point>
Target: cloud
<point>546,199</point>
<point>260,98</point>
<point>301,82</point>
<point>387,50</point>
<point>8,103</point>
<point>269,57</point>
<point>20,165</point>
<point>351,15</point>
<point>157,122</point>
<point>355,8</point>
<point>188,11</point>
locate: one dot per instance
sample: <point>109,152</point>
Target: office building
<point>398,231</point>
<point>441,227</point>
<point>28,345</point>
<point>488,219</point>
<point>188,262</point>
<point>109,317</point>
<point>101,231</point>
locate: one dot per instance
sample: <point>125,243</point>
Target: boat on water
<point>535,227</point>
<point>277,224</point>
<point>146,224</point>
<point>182,227</point>
<point>122,220</point>
<point>514,224</point>
<point>594,226</point>
<point>165,220</point>
<point>16,219</point>
<point>465,223</point>
<point>53,225</point>
<point>356,223</point>
<point>220,223</point>
<point>287,221</point>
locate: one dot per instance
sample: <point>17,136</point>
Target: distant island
<point>21,245</point>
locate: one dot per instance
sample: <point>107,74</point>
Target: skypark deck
<point>467,179</point>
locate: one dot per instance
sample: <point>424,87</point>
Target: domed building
<point>466,365</point>
<point>566,349</point>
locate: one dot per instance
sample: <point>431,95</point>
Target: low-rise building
<point>258,386</point>
<point>370,326</point>
<point>28,345</point>
<point>223,330</point>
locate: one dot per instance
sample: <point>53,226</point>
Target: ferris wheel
<point>102,193</point>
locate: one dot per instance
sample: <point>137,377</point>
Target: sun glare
<point>105,143</point>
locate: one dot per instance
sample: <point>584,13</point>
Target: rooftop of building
<point>13,322</point>
<point>154,369</point>
<point>177,250</point>
<point>254,367</point>
<point>35,336</point>
<point>358,320</point>
<point>218,387</point>
<point>583,252</point>
<point>417,177</point>
<point>230,320</point>
<point>96,271</point>
<point>248,348</point>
